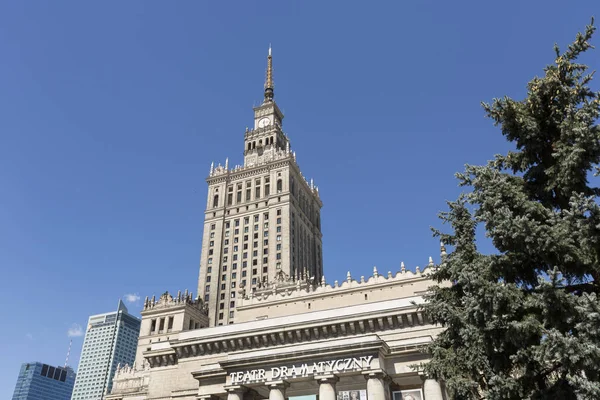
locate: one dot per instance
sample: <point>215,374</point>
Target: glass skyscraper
<point>110,339</point>
<point>39,381</point>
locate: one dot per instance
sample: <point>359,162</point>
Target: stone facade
<point>296,338</point>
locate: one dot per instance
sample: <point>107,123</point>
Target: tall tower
<point>261,218</point>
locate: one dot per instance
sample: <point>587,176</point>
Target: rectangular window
<point>266,225</point>
<point>223,286</point>
<point>236,232</point>
<point>256,227</point>
<point>212,235</point>
<point>238,197</point>
<point>278,246</point>
<point>266,242</point>
<point>234,266</point>
<point>279,220</point>
<point>245,255</point>
<point>279,211</point>
<point>226,250</point>
<point>254,271</point>
<point>245,246</point>
<point>278,229</point>
<point>207,288</point>
<point>265,260</point>
<point>265,270</point>
<point>226,233</point>
<point>210,252</point>
<point>224,277</point>
<point>248,192</point>
<point>266,216</point>
<point>279,256</point>
<point>233,285</point>
<point>230,314</point>
<point>246,220</point>
<point>278,238</point>
<point>233,275</point>
<point>222,296</point>
<point>254,262</point>
<point>210,260</point>
<point>256,218</point>
<point>224,268</point>
<point>235,249</point>
<point>233,295</point>
<point>208,270</point>
<point>212,227</point>
<point>229,199</point>
<point>243,274</point>
<point>226,242</point>
<point>227,224</point>
<point>256,236</point>
<point>255,253</point>
<point>265,251</point>
<point>221,306</point>
<point>212,243</point>
<point>237,222</point>
<point>266,234</point>
<point>232,304</point>
<point>220,315</point>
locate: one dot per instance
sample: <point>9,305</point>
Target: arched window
<point>260,143</point>
<point>216,201</point>
<point>249,146</point>
<point>279,185</point>
<point>271,139</point>
<point>253,145</point>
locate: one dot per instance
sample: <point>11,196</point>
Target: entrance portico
<point>326,341</point>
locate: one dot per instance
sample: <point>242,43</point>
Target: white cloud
<point>29,336</point>
<point>75,331</point>
<point>131,298</point>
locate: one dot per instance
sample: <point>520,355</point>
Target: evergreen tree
<point>524,323</point>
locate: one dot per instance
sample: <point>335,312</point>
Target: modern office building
<point>38,381</point>
<point>110,340</point>
<point>261,217</point>
<point>294,336</point>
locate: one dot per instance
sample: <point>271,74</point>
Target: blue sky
<point>111,113</point>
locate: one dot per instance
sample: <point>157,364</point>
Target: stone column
<point>432,390</point>
<point>327,387</point>
<point>377,386</point>
<point>277,390</point>
<point>236,393</point>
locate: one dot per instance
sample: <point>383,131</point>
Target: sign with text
<point>301,370</point>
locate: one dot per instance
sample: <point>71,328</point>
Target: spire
<point>269,81</point>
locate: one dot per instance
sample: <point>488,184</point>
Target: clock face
<point>264,122</point>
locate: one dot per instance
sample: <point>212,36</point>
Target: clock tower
<point>262,218</point>
<point>267,135</point>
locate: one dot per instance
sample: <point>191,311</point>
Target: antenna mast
<point>68,352</point>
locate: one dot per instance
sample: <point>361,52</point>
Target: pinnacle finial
<point>269,81</point>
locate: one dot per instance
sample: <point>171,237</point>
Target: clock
<point>264,122</point>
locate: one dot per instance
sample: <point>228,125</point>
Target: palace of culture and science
<point>261,218</point>
<point>265,323</point>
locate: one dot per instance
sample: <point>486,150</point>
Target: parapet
<point>284,289</point>
<point>166,301</point>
